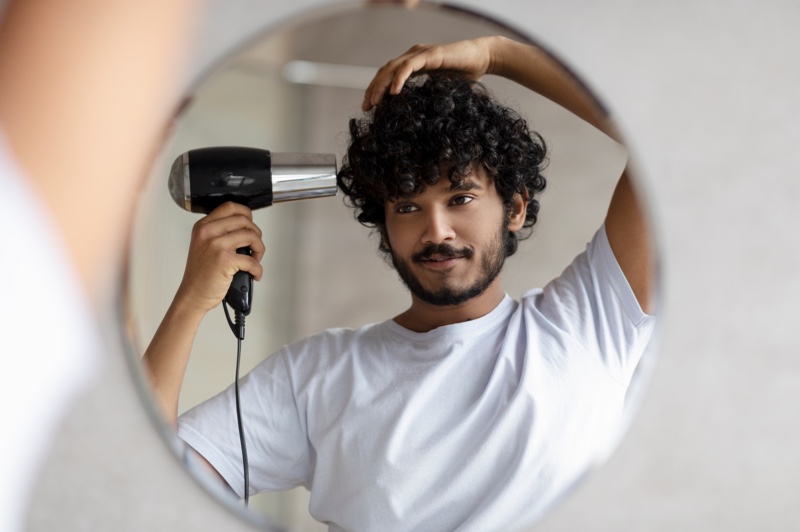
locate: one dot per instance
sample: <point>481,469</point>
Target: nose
<point>438,227</point>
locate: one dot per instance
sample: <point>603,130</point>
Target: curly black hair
<point>440,120</point>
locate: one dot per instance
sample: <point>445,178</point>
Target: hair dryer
<point>203,179</point>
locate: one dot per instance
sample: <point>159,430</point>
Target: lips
<point>442,253</point>
<point>440,263</point>
<point>440,258</point>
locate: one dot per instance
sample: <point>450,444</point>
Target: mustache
<point>445,251</point>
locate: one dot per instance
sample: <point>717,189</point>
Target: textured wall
<point>705,93</point>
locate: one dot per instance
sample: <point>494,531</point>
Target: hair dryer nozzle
<point>178,183</point>
<point>201,180</point>
<point>303,175</point>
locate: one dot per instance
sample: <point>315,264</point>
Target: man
<point>469,410</point>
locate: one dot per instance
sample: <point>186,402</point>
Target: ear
<point>384,244</point>
<point>519,209</point>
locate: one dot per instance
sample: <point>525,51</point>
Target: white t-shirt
<point>478,426</point>
<point>49,344</point>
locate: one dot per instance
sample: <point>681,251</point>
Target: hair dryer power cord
<point>238,330</point>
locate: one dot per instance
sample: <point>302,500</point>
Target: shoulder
<point>330,360</point>
<point>594,278</point>
<point>331,345</point>
<point>592,306</point>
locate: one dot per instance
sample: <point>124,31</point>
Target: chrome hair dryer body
<point>203,179</point>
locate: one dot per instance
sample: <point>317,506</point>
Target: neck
<point>424,317</point>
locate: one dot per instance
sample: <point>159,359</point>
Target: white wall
<point>705,93</point>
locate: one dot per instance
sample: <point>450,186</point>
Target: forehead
<point>477,179</point>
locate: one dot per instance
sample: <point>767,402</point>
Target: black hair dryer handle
<point>240,293</point>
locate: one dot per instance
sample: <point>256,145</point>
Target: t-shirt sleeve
<point>278,451</point>
<point>592,303</point>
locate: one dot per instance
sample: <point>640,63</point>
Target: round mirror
<point>294,90</point>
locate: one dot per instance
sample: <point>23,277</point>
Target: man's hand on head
<point>473,58</point>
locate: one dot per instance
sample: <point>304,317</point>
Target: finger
<point>401,75</point>
<point>229,208</point>
<point>240,238</point>
<point>232,261</point>
<point>246,263</point>
<point>258,250</point>
<point>252,263</point>
<point>377,85</point>
<point>394,75</point>
<point>383,78</point>
<point>383,81</point>
<point>207,229</point>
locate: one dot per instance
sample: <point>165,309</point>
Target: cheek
<point>395,237</point>
<point>482,226</point>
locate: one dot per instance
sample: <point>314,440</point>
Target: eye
<point>404,208</point>
<point>461,200</point>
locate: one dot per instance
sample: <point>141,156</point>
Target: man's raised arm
<point>210,267</point>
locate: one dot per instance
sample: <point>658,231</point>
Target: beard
<point>491,264</point>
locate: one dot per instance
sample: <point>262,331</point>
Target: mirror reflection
<point>454,384</point>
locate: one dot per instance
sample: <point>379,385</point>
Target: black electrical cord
<point>241,426</point>
<point>238,331</point>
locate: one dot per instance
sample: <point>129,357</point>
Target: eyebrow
<point>464,185</point>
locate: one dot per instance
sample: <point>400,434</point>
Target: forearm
<point>167,356</point>
<point>531,67</point>
<point>210,266</point>
<point>625,222</point>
